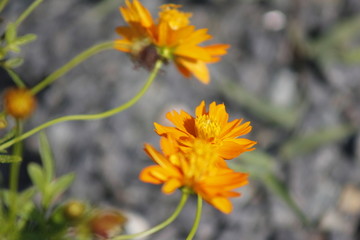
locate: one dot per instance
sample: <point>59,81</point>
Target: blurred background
<point>293,70</point>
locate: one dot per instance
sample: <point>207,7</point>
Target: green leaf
<point>10,34</point>
<point>14,48</point>
<point>9,158</point>
<point>262,166</point>
<point>57,187</point>
<point>309,142</point>
<point>14,62</point>
<point>278,188</point>
<point>8,136</point>
<point>46,157</point>
<point>283,117</point>
<point>3,4</point>
<point>25,39</point>
<point>25,206</point>
<point>37,176</point>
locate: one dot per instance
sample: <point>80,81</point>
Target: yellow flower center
<point>206,128</point>
<point>201,159</point>
<point>176,19</point>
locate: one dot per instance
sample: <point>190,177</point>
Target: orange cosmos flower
<point>138,35</point>
<point>170,38</point>
<point>211,126</point>
<point>198,170</point>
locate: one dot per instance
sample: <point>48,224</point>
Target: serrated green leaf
<point>9,158</point>
<point>25,39</point>
<point>10,34</point>
<point>46,157</point>
<point>14,62</point>
<point>37,176</point>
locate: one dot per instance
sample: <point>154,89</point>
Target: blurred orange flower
<point>170,38</point>
<point>198,170</point>
<point>19,103</point>
<point>211,126</point>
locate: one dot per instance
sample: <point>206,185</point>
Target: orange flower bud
<point>107,223</point>
<point>19,102</point>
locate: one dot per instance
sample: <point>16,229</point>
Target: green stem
<point>197,219</point>
<point>3,4</point>
<point>71,64</point>
<point>160,226</point>
<point>89,116</point>
<point>16,79</point>
<point>14,173</point>
<point>27,12</point>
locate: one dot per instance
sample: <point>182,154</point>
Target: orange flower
<point>198,170</point>
<point>19,102</point>
<point>170,38</point>
<point>138,35</point>
<point>211,126</point>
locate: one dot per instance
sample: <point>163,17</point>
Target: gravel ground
<point>300,92</point>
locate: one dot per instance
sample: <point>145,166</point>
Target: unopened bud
<point>107,223</point>
<point>19,102</point>
<point>74,210</point>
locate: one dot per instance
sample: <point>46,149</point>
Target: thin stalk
<point>197,219</point>
<point>105,114</point>
<point>14,173</point>
<point>160,226</point>
<point>71,64</point>
<point>16,79</point>
<point>27,12</point>
<point>3,4</point>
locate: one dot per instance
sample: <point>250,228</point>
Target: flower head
<point>198,170</point>
<point>169,38</point>
<point>211,126</point>
<point>19,102</point>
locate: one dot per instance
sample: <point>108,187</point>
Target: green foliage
<point>42,177</point>
<point>339,43</point>
<point>262,166</point>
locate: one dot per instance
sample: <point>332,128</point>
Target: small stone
<point>350,200</point>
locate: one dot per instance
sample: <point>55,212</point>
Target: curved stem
<point>71,64</point>
<point>89,116</point>
<point>160,226</point>
<point>197,219</point>
<point>27,12</point>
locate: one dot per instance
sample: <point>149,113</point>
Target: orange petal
<point>146,175</point>
<point>171,185</point>
<point>231,148</point>
<point>217,49</point>
<point>197,68</point>
<point>190,51</point>
<point>222,204</point>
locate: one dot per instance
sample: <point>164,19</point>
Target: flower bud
<point>107,223</point>
<point>74,210</point>
<point>19,102</point>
